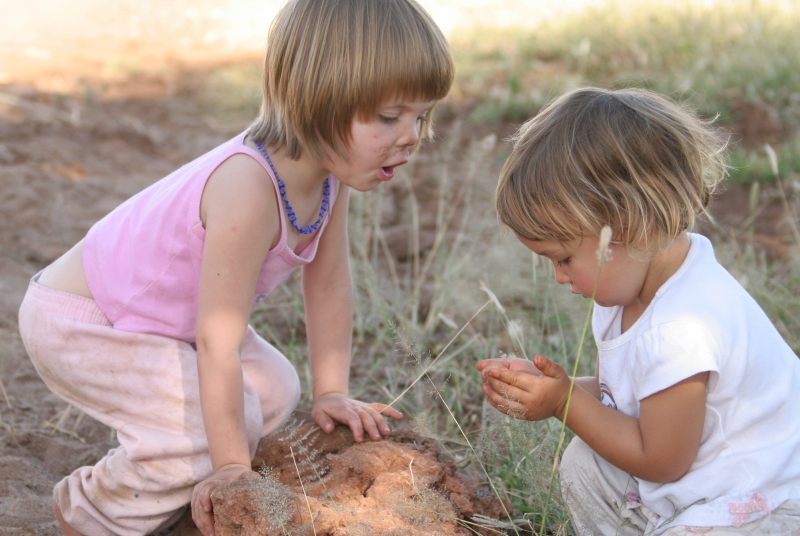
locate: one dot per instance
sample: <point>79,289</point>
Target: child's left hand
<point>527,395</point>
<point>516,364</point>
<point>330,408</point>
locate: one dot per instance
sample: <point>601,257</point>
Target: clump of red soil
<point>402,485</point>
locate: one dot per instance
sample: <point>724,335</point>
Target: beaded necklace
<point>326,196</point>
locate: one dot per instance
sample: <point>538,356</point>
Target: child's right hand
<point>360,417</point>
<point>202,509</point>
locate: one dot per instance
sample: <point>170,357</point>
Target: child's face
<point>575,263</point>
<point>379,144</point>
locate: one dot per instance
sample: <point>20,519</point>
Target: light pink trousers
<point>146,388</point>
<point>604,500</point>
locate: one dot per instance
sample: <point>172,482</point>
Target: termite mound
<point>326,484</point>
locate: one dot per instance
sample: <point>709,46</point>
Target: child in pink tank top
<point>155,300</point>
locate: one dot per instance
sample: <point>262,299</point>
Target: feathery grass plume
<point>603,249</point>
<point>603,255</point>
<point>435,359</point>
<point>492,297</point>
<point>309,456</point>
<point>303,488</point>
<point>513,327</point>
<point>275,502</point>
<point>516,334</point>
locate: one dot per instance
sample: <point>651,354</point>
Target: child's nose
<point>410,136</point>
<point>561,277</point>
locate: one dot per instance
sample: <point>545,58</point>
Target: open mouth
<point>387,172</point>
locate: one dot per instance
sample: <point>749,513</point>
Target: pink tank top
<point>142,260</point>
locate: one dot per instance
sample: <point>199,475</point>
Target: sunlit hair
<point>329,61</point>
<point>629,158</point>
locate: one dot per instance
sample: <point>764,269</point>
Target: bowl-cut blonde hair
<point>330,60</point>
<point>630,159</point>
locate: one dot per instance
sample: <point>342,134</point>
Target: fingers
<point>498,390</point>
<point>504,404</point>
<point>387,411</point>
<point>370,420</point>
<point>485,364</point>
<point>362,418</point>
<point>512,378</point>
<point>323,421</point>
<point>201,509</point>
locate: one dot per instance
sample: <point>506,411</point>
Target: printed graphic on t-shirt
<point>606,397</point>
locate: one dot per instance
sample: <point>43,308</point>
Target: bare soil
<point>400,486</point>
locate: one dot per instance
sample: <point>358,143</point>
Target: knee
<point>292,390</point>
<point>282,400</point>
<point>577,463</point>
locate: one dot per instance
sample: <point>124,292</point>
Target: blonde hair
<point>329,61</point>
<point>629,159</point>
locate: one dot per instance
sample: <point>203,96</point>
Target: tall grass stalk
<point>773,160</point>
<point>513,328</point>
<point>7,425</point>
<point>472,449</point>
<point>303,488</point>
<point>603,252</point>
<point>435,359</point>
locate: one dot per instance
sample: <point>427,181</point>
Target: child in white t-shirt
<point>692,424</point>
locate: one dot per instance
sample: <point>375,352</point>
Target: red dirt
<point>403,486</point>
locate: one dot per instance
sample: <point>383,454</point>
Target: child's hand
<point>330,408</point>
<point>202,514</point>
<point>515,364</point>
<point>525,394</point>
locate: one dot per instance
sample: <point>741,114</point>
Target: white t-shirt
<point>702,319</point>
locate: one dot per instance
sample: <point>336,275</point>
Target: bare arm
<point>328,297</point>
<point>240,215</point>
<point>659,446</point>
<point>237,203</point>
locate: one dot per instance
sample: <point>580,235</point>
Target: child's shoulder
<point>242,182</point>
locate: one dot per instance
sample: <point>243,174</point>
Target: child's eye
<point>387,118</point>
<point>564,262</point>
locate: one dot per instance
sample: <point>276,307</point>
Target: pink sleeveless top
<point>142,260</point>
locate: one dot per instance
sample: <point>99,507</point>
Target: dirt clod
<point>402,485</point>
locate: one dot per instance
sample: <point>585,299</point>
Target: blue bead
<point>326,189</point>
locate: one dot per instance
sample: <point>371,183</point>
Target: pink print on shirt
<point>742,512</point>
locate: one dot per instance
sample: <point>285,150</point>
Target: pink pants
<point>603,499</point>
<point>146,388</point>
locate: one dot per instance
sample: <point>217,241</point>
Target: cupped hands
<point>524,389</point>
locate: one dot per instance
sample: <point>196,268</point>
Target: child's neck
<point>303,176</point>
<point>662,266</point>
